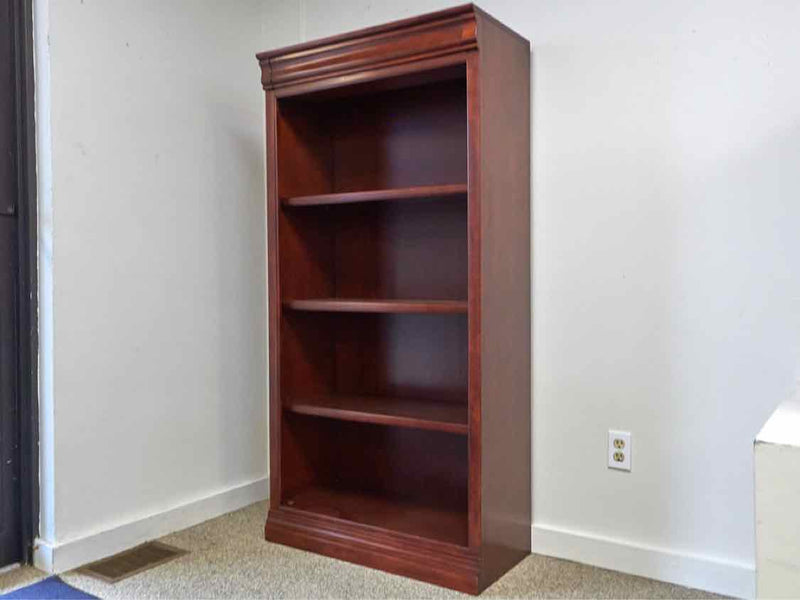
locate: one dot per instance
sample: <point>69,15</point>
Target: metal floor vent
<point>133,561</point>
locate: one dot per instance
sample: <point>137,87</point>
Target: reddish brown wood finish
<point>434,561</point>
<point>413,136</point>
<point>376,250</point>
<point>399,281</point>
<point>377,306</point>
<point>429,192</point>
<point>505,299</point>
<point>408,41</point>
<point>422,356</point>
<point>430,522</point>
<point>401,412</point>
<point>408,467</point>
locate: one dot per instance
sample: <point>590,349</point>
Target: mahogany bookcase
<point>398,170</point>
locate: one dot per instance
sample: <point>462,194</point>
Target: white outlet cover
<point>624,439</point>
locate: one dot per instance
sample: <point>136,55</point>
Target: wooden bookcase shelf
<point>399,297</point>
<point>377,306</point>
<point>420,192</point>
<point>450,417</point>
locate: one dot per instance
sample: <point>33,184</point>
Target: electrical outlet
<point>619,450</point>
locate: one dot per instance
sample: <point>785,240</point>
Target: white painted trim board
<point>63,556</point>
<point>702,572</point>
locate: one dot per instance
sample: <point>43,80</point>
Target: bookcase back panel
<point>404,356</point>
<point>402,250</point>
<point>408,356</point>
<point>406,470</point>
<point>414,249</point>
<point>406,137</point>
<point>406,464</point>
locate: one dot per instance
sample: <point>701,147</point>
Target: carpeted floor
<point>229,558</point>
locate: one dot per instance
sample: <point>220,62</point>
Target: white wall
<point>154,393</point>
<point>666,147</point>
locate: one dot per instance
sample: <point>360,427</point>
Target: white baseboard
<point>701,572</point>
<point>63,556</point>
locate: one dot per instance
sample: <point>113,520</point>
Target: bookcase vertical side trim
<point>273,294</point>
<point>474,295</point>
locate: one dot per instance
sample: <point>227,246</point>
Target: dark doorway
<point>18,475</point>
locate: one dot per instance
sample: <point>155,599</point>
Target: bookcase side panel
<point>505,298</point>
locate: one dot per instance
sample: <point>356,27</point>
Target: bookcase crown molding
<point>435,35</point>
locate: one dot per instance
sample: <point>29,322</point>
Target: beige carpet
<point>230,559</point>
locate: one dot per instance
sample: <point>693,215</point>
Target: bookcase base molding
<point>442,564</point>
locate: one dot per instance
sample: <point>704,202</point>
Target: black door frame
<point>27,276</point>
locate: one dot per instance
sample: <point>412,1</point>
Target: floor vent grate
<point>133,561</point>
